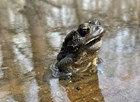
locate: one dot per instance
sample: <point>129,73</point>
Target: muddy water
<point>120,77</point>
<point>117,80</point>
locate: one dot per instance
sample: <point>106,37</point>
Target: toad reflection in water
<point>79,50</point>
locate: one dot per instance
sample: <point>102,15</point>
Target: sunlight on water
<point>68,17</point>
<point>58,92</point>
<point>86,4</point>
<point>1,73</point>
<point>22,52</point>
<point>55,39</point>
<point>52,20</point>
<point>119,73</point>
<point>21,42</point>
<point>121,78</point>
<point>32,92</point>
<point>11,17</point>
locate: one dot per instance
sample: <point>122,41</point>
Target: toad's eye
<point>88,29</point>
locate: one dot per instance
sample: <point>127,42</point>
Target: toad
<point>78,46</point>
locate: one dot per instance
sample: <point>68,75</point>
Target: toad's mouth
<point>96,36</point>
<point>92,40</point>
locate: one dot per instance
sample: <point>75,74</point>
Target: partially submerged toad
<point>79,48</point>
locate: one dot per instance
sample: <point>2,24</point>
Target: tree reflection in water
<point>120,79</point>
<point>58,92</point>
<point>31,33</point>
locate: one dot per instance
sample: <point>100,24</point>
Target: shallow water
<point>118,76</point>
<point>117,80</point>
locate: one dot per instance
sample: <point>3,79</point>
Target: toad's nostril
<point>97,27</point>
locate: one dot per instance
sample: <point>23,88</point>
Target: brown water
<point>118,78</point>
<point>23,62</point>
